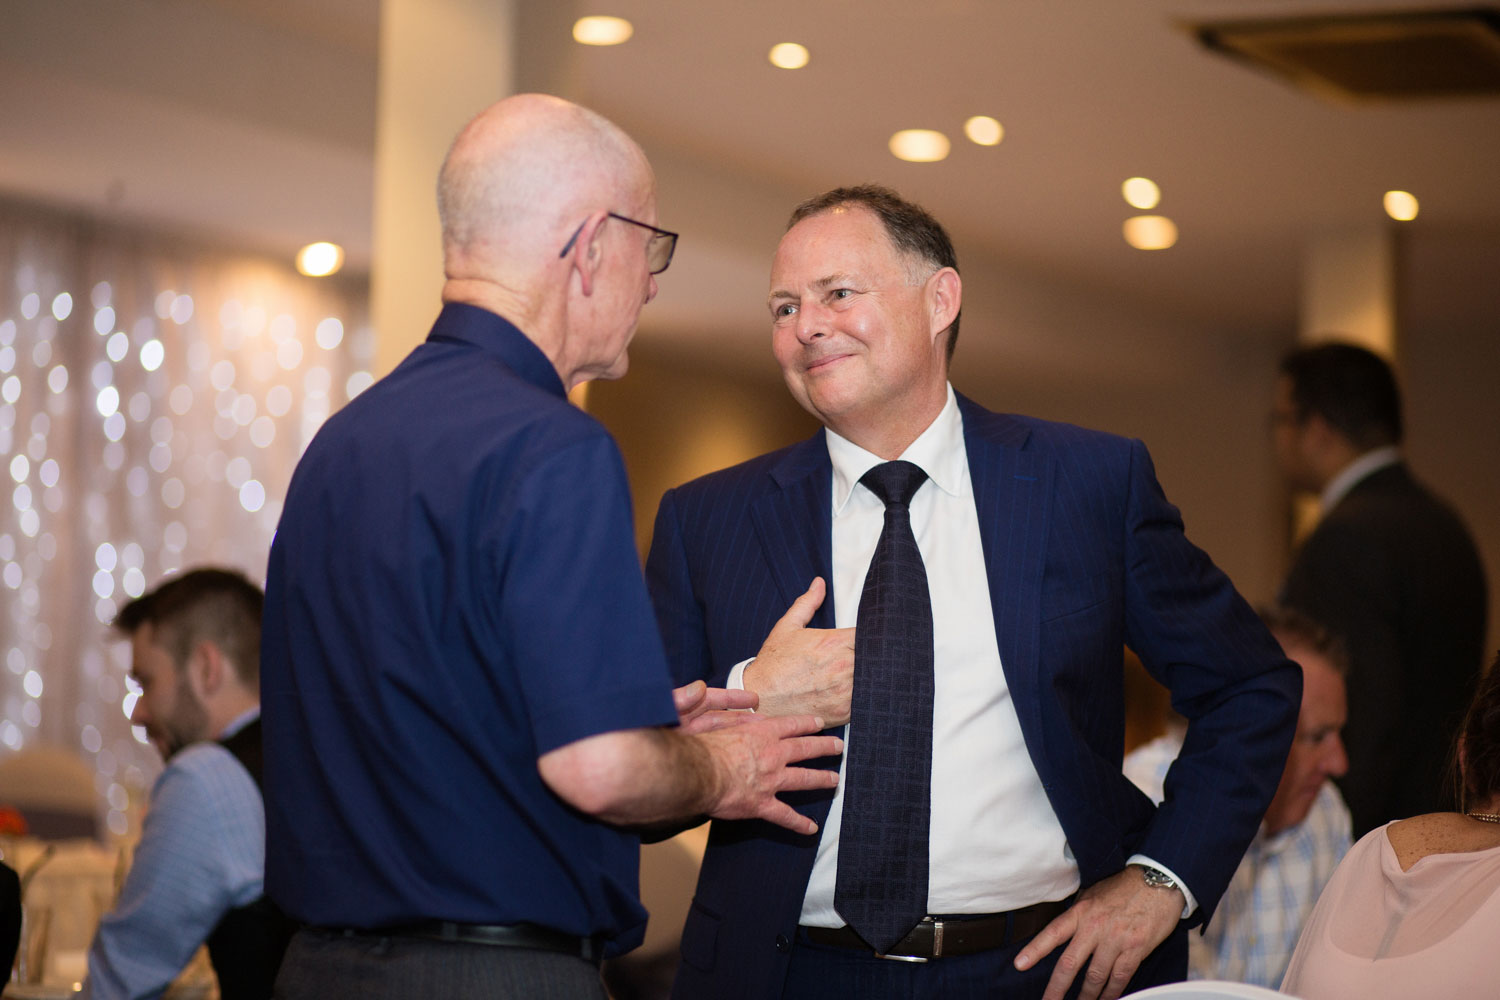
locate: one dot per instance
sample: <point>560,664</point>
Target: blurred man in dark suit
<point>1390,567</point>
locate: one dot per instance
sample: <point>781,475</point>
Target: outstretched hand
<point>1114,925</point>
<point>802,670</point>
<point>753,761</point>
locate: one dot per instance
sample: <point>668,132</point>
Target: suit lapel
<point>1012,493</point>
<point>794,524</point>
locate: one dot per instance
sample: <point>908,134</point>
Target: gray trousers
<point>323,965</point>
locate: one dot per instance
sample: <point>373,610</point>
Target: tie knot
<point>894,482</point>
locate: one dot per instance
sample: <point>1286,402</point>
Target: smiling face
<point>1317,752</point>
<point>858,328</point>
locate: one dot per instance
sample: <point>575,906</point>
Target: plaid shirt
<point>1255,928</point>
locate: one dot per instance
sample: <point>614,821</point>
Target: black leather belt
<point>496,935</point>
<point>934,938</point>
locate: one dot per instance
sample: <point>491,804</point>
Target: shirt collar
<point>240,721</point>
<point>462,323</point>
<point>1349,475</point>
<point>938,451</point>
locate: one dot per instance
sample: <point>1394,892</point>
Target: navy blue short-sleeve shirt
<point>453,591</point>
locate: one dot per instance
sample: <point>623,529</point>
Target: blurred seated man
<point>198,870</point>
<point>1304,835</point>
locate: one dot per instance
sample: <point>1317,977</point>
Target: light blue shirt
<point>202,853</point>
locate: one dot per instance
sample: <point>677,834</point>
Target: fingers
<point>728,700</point>
<point>1107,974</point>
<point>781,814</point>
<point>1054,934</point>
<point>803,608</point>
<point>701,708</point>
<point>810,748</point>
<point>804,779</point>
<point>1119,978</point>
<point>688,697</point>
<point>786,726</point>
<point>707,722</point>
<point>1065,971</point>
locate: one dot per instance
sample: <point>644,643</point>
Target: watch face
<point>1158,879</point>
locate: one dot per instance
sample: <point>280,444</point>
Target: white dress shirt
<point>995,843</point>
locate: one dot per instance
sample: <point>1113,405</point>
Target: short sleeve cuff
<point>611,711</point>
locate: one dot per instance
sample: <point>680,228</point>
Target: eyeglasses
<point>658,252</point>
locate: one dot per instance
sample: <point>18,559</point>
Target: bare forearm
<point>735,770</point>
<point>635,777</point>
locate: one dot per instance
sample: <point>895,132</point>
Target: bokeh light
<point>788,55</point>
<point>1401,205</point>
<point>600,29</point>
<point>920,145</point>
<point>983,130</point>
<point>148,424</point>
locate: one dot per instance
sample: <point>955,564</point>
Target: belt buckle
<point>937,945</point>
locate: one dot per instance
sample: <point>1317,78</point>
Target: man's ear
<point>587,254</point>
<point>207,669</point>
<point>945,292</point>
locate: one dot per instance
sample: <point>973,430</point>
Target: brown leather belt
<point>938,938</point>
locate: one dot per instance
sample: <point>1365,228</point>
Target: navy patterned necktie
<point>881,888</point>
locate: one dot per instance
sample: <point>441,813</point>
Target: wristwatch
<point>1156,878</point>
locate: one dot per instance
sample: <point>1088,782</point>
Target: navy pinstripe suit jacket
<point>1084,555</point>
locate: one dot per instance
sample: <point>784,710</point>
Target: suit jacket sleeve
<point>679,613</point>
<point>1227,676</point>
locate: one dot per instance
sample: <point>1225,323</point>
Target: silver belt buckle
<point>937,945</point>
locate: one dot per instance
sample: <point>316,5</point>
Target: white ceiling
<point>252,121</point>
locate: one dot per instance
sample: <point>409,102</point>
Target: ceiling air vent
<point>1383,55</point>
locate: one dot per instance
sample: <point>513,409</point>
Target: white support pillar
<point>441,62</point>
<point>1348,294</point>
<point>1349,289</point>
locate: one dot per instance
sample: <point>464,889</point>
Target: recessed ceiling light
<point>602,30</point>
<point>984,130</point>
<point>1150,232</point>
<point>789,55</point>
<point>318,260</point>
<point>1401,205</point>
<point>1141,193</point>
<point>920,145</point>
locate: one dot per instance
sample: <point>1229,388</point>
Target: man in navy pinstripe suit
<point>1047,548</point>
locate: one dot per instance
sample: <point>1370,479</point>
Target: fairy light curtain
<point>154,399</point>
